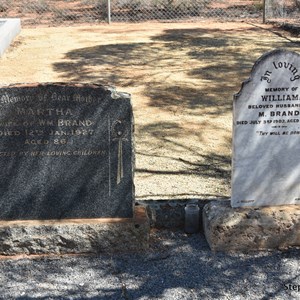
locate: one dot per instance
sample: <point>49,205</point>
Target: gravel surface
<point>177,266</point>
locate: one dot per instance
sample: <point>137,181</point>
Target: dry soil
<point>182,77</point>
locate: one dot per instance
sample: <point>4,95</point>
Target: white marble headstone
<point>266,133</point>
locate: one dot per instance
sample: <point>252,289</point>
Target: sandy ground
<point>182,78</point>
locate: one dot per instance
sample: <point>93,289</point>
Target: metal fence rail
<point>56,12</point>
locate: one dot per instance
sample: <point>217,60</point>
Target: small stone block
<point>251,229</point>
<point>75,236</point>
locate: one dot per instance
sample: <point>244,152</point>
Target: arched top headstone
<point>266,133</point>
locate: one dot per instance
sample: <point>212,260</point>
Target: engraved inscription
<point>65,152</point>
<point>266,131</point>
<point>276,112</point>
<point>119,133</point>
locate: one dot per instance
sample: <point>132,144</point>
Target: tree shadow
<point>176,266</point>
<point>186,73</point>
<point>207,165</point>
<point>166,141</point>
<point>209,63</point>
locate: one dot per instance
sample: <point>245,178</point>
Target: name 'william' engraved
<point>280,97</point>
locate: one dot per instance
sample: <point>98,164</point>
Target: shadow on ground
<point>178,266</point>
<point>181,72</point>
<point>213,63</point>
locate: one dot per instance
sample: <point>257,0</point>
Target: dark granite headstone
<point>66,151</point>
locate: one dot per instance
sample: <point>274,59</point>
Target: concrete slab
<point>9,29</point>
<point>251,229</point>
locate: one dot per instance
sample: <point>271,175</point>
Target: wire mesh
<point>56,12</point>
<point>137,10</point>
<point>283,11</point>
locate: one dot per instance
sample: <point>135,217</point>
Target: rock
<point>75,236</point>
<point>251,229</point>
<point>169,213</point>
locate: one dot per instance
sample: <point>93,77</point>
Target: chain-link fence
<point>282,11</point>
<point>136,10</point>
<point>56,12</point>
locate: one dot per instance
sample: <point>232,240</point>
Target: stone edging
<point>170,213</point>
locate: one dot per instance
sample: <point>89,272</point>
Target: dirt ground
<point>182,77</point>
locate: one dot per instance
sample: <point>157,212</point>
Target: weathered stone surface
<point>250,229</point>
<point>266,133</point>
<point>66,151</point>
<point>75,236</point>
<point>9,29</point>
<point>169,213</point>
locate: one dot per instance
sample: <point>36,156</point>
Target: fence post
<point>264,11</point>
<point>108,12</point>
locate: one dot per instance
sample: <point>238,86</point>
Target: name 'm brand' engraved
<point>284,113</point>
